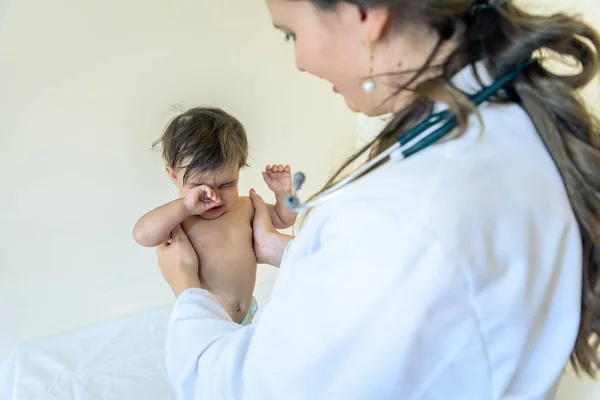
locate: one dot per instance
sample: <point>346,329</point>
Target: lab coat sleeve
<point>197,321</point>
<point>353,319</point>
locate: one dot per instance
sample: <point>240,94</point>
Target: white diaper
<point>251,312</point>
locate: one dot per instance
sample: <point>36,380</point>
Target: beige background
<point>85,87</point>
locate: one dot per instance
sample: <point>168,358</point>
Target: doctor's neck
<point>417,55</point>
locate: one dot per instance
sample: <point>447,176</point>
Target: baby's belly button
<point>236,309</point>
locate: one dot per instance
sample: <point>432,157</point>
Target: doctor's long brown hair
<point>504,35</point>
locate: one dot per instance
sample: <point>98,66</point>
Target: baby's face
<point>223,181</point>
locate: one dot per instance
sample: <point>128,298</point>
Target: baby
<point>204,150</point>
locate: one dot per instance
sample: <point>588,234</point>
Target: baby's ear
<point>172,174</point>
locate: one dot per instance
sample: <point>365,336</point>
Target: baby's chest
<point>226,231</point>
<point>233,226</point>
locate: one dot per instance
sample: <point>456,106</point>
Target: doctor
<point>455,273</point>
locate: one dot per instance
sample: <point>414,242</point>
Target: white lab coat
<point>453,274</point>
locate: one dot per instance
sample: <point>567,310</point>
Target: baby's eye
<point>290,36</point>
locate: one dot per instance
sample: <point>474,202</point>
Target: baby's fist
<point>200,199</point>
<point>278,178</point>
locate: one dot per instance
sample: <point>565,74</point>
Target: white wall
<point>85,88</point>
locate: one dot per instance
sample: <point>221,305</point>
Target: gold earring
<point>369,84</point>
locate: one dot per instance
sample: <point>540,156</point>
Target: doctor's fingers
<point>257,201</point>
<point>178,235</point>
<point>261,212</point>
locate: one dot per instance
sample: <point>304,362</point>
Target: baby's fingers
<point>209,194</point>
<point>275,168</point>
<point>215,197</point>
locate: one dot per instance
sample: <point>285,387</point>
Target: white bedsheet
<point>117,360</point>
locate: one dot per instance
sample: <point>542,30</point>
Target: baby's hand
<point>278,178</point>
<point>201,199</point>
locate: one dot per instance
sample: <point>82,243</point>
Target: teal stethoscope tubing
<point>410,143</point>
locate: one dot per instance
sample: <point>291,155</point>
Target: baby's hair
<point>203,139</point>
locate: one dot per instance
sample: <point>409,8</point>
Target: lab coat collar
<point>466,79</point>
<point>467,82</point>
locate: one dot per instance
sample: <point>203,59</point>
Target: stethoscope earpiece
<point>292,202</point>
<point>298,181</point>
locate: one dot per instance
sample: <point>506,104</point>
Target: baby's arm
<point>281,216</point>
<point>155,227</point>
<point>279,180</point>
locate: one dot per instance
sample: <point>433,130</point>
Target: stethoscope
<point>415,140</point>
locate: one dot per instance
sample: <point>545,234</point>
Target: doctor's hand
<point>269,245</point>
<point>178,262</point>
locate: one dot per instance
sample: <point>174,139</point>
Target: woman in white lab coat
<point>466,271</point>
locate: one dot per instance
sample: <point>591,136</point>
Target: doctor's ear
<point>375,21</point>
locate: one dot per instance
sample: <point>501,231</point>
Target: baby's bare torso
<point>227,260</point>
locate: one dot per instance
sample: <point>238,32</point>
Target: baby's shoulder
<point>244,204</point>
<point>244,201</point>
